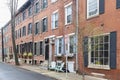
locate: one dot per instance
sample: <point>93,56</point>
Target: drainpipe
<point>2,45</point>
<point>77,25</point>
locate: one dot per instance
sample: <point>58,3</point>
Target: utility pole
<point>76,32</point>
<point>2,45</point>
<point>32,3</point>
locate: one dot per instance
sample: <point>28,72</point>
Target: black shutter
<point>113,41</point>
<point>85,51</point>
<point>101,6</point>
<point>117,4</point>
<point>41,25</point>
<point>46,24</point>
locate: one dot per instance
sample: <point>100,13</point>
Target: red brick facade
<point>61,30</point>
<point>109,21</point>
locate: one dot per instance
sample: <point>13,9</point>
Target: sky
<point>5,12</point>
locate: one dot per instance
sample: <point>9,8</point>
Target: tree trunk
<point>13,10</point>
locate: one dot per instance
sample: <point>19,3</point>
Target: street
<point>8,72</point>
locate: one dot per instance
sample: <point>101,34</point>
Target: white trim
<point>59,37</point>
<point>68,4</point>
<point>88,17</point>
<point>71,34</point>
<point>100,34</point>
<point>53,1</point>
<point>49,36</point>
<point>36,21</point>
<point>106,67</point>
<point>54,14</point>
<point>98,66</point>
<point>65,8</point>
<point>55,11</point>
<point>44,17</point>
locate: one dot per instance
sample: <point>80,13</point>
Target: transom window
<point>99,50</point>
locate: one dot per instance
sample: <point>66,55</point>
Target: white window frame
<point>66,13</point>
<point>59,37</point>
<point>97,66</point>
<point>94,15</point>
<point>53,19</point>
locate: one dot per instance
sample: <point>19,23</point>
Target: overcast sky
<point>4,11</point>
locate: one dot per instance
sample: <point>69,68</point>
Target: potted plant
<point>30,55</point>
<point>25,55</point>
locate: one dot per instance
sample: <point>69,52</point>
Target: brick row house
<point>49,26</point>
<point>43,27</point>
<point>101,49</point>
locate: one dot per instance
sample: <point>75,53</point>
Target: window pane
<point>105,46</point>
<point>106,38</point>
<point>105,61</point>
<point>106,54</point>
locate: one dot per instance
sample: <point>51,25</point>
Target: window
<point>29,28</point>
<point>41,48</point>
<point>99,50</point>
<point>94,8</point>
<point>29,11</point>
<point>35,48</point>
<point>20,32</point>
<point>52,1</point>
<point>68,13</point>
<point>37,7</point>
<point>44,4</point>
<point>24,31</point>
<point>44,24</point>
<point>15,34</point>
<point>37,28</point>
<point>24,15</point>
<point>117,4</point>
<point>54,20</point>
<point>59,46</point>
<point>72,44</point>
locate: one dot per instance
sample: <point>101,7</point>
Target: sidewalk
<point>58,75</point>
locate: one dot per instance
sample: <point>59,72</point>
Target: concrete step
<point>93,78</point>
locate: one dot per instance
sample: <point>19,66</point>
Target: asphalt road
<point>8,72</point>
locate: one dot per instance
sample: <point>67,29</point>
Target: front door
<point>47,52</point>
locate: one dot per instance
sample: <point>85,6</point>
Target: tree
<point>13,9</point>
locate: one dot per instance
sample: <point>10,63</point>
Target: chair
<point>52,65</point>
<point>59,68</point>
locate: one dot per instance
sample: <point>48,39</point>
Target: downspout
<point>76,32</point>
<point>2,45</point>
